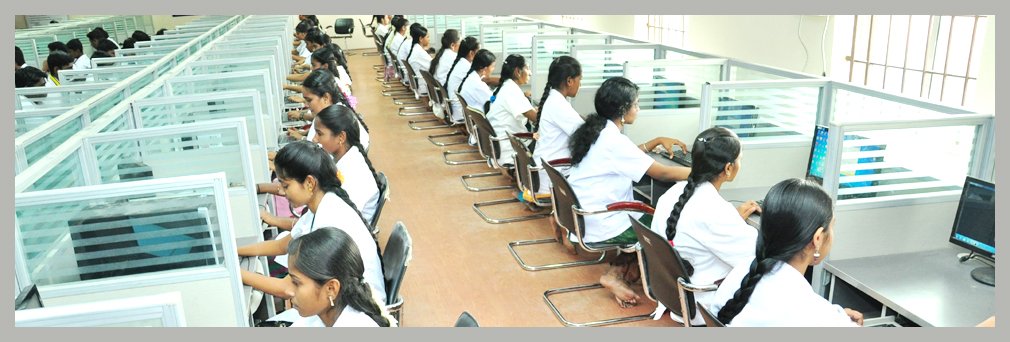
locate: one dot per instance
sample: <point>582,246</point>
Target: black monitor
<point>818,152</point>
<point>975,225</point>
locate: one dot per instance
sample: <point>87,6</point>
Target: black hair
<point>100,54</point>
<point>160,32</point>
<point>793,211</point>
<point>417,31</point>
<point>19,56</point>
<point>339,58</point>
<point>450,36</point>
<point>58,46</point>
<point>303,26</point>
<point>75,45</point>
<point>481,60</point>
<point>106,45</point>
<point>300,159</point>
<point>322,82</point>
<point>343,119</point>
<point>128,43</point>
<point>315,35</point>
<point>614,98</point>
<point>398,23</point>
<point>98,34</point>
<point>27,77</point>
<point>713,149</point>
<point>562,68</point>
<point>140,36</point>
<point>468,44</point>
<point>330,253</point>
<point>512,63</point>
<point>312,19</point>
<point>58,59</point>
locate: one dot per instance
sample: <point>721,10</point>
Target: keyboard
<point>682,158</point>
<point>885,325</point>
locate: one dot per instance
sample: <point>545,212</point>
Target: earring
<point>622,120</point>
<point>817,254</point>
<point>331,301</point>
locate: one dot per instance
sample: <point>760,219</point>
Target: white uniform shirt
<point>344,79</point>
<point>506,116</point>
<point>334,212</point>
<point>711,235</point>
<point>82,63</point>
<point>603,177</point>
<point>361,128</point>
<point>558,121</point>
<point>302,47</point>
<point>420,60</point>
<point>358,181</point>
<point>349,317</point>
<point>381,30</point>
<point>402,47</point>
<point>454,81</point>
<point>782,298</point>
<point>444,63</point>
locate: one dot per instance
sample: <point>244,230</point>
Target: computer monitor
<point>975,225</point>
<point>818,152</point>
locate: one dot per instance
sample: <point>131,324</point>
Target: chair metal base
<point>369,54</point>
<point>480,175</point>
<point>446,154</point>
<point>413,124</point>
<point>477,208</point>
<point>431,138</point>
<point>568,323</point>
<point>414,112</point>
<point>396,310</point>
<point>512,248</point>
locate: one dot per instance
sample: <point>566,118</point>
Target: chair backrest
<point>435,98</point>
<point>710,320</point>
<point>365,30</point>
<point>343,26</point>
<point>466,320</point>
<point>663,266</point>
<point>524,159</point>
<point>485,136</point>
<point>466,118</point>
<point>411,78</point>
<point>563,198</point>
<point>394,260</point>
<point>383,184</point>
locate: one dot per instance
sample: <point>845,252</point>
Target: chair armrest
<point>560,162</point>
<point>523,135</point>
<point>696,288</point>
<point>631,206</point>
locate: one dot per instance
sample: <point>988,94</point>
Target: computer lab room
<point>504,171</point>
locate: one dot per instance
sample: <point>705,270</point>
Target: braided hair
<point>793,211</point>
<point>448,38</point>
<point>508,69</point>
<point>465,47</point>
<point>330,254</point>
<point>483,59</point>
<point>712,150</point>
<point>562,69</point>
<point>417,31</point>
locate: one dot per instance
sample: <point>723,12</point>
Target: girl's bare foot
<point>612,280</point>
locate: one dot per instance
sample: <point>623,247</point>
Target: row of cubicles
<point>137,178</point>
<point>894,165</point>
<point>34,41</point>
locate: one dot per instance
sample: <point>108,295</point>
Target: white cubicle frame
<point>165,307</point>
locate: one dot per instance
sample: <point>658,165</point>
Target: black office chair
<point>466,320</point>
<point>710,320</point>
<point>541,209</point>
<point>468,124</point>
<point>383,196</point>
<point>434,102</point>
<point>569,215</point>
<point>395,258</point>
<point>488,146</point>
<point>415,106</point>
<point>344,28</point>
<point>663,271</point>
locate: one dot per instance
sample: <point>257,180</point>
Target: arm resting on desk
<point>266,248</point>
<point>269,285</point>
<point>668,173</point>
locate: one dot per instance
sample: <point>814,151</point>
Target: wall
<point>986,87</point>
<point>766,39</point>
<point>358,39</point>
<point>623,25</point>
<point>169,22</point>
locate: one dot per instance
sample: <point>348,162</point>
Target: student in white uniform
<point>509,110</point>
<point>99,34</point>
<point>557,120</point>
<point>457,71</point>
<point>309,177</point>
<point>797,228</point>
<point>418,56</point>
<point>322,90</point>
<point>58,60</point>
<point>605,164</point>
<point>708,232</point>
<point>472,88</point>
<point>382,28</point>
<point>443,60</point>
<point>328,286</point>
<point>301,53</point>
<point>19,58</point>
<point>397,36</point>
<point>403,46</point>
<point>82,61</point>
<point>337,131</point>
<point>314,39</point>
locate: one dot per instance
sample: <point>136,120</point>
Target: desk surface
<point>931,288</point>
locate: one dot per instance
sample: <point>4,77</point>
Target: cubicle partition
<point>161,310</point>
<point>546,47</point>
<point>111,241</point>
<point>100,74</point>
<point>505,39</point>
<point>240,80</point>
<point>603,61</point>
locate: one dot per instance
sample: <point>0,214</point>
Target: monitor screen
<point>975,220</point>
<point>818,152</point>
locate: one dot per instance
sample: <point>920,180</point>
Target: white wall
<point>772,40</point>
<point>358,41</point>
<point>623,25</point>
<point>985,93</point>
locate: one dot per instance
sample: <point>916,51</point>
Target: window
<point>663,29</point>
<point>931,57</point>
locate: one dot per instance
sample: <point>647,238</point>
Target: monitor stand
<point>985,275</point>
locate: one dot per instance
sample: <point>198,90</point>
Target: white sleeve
<point>729,237</point>
<point>629,160</point>
<point>516,103</point>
